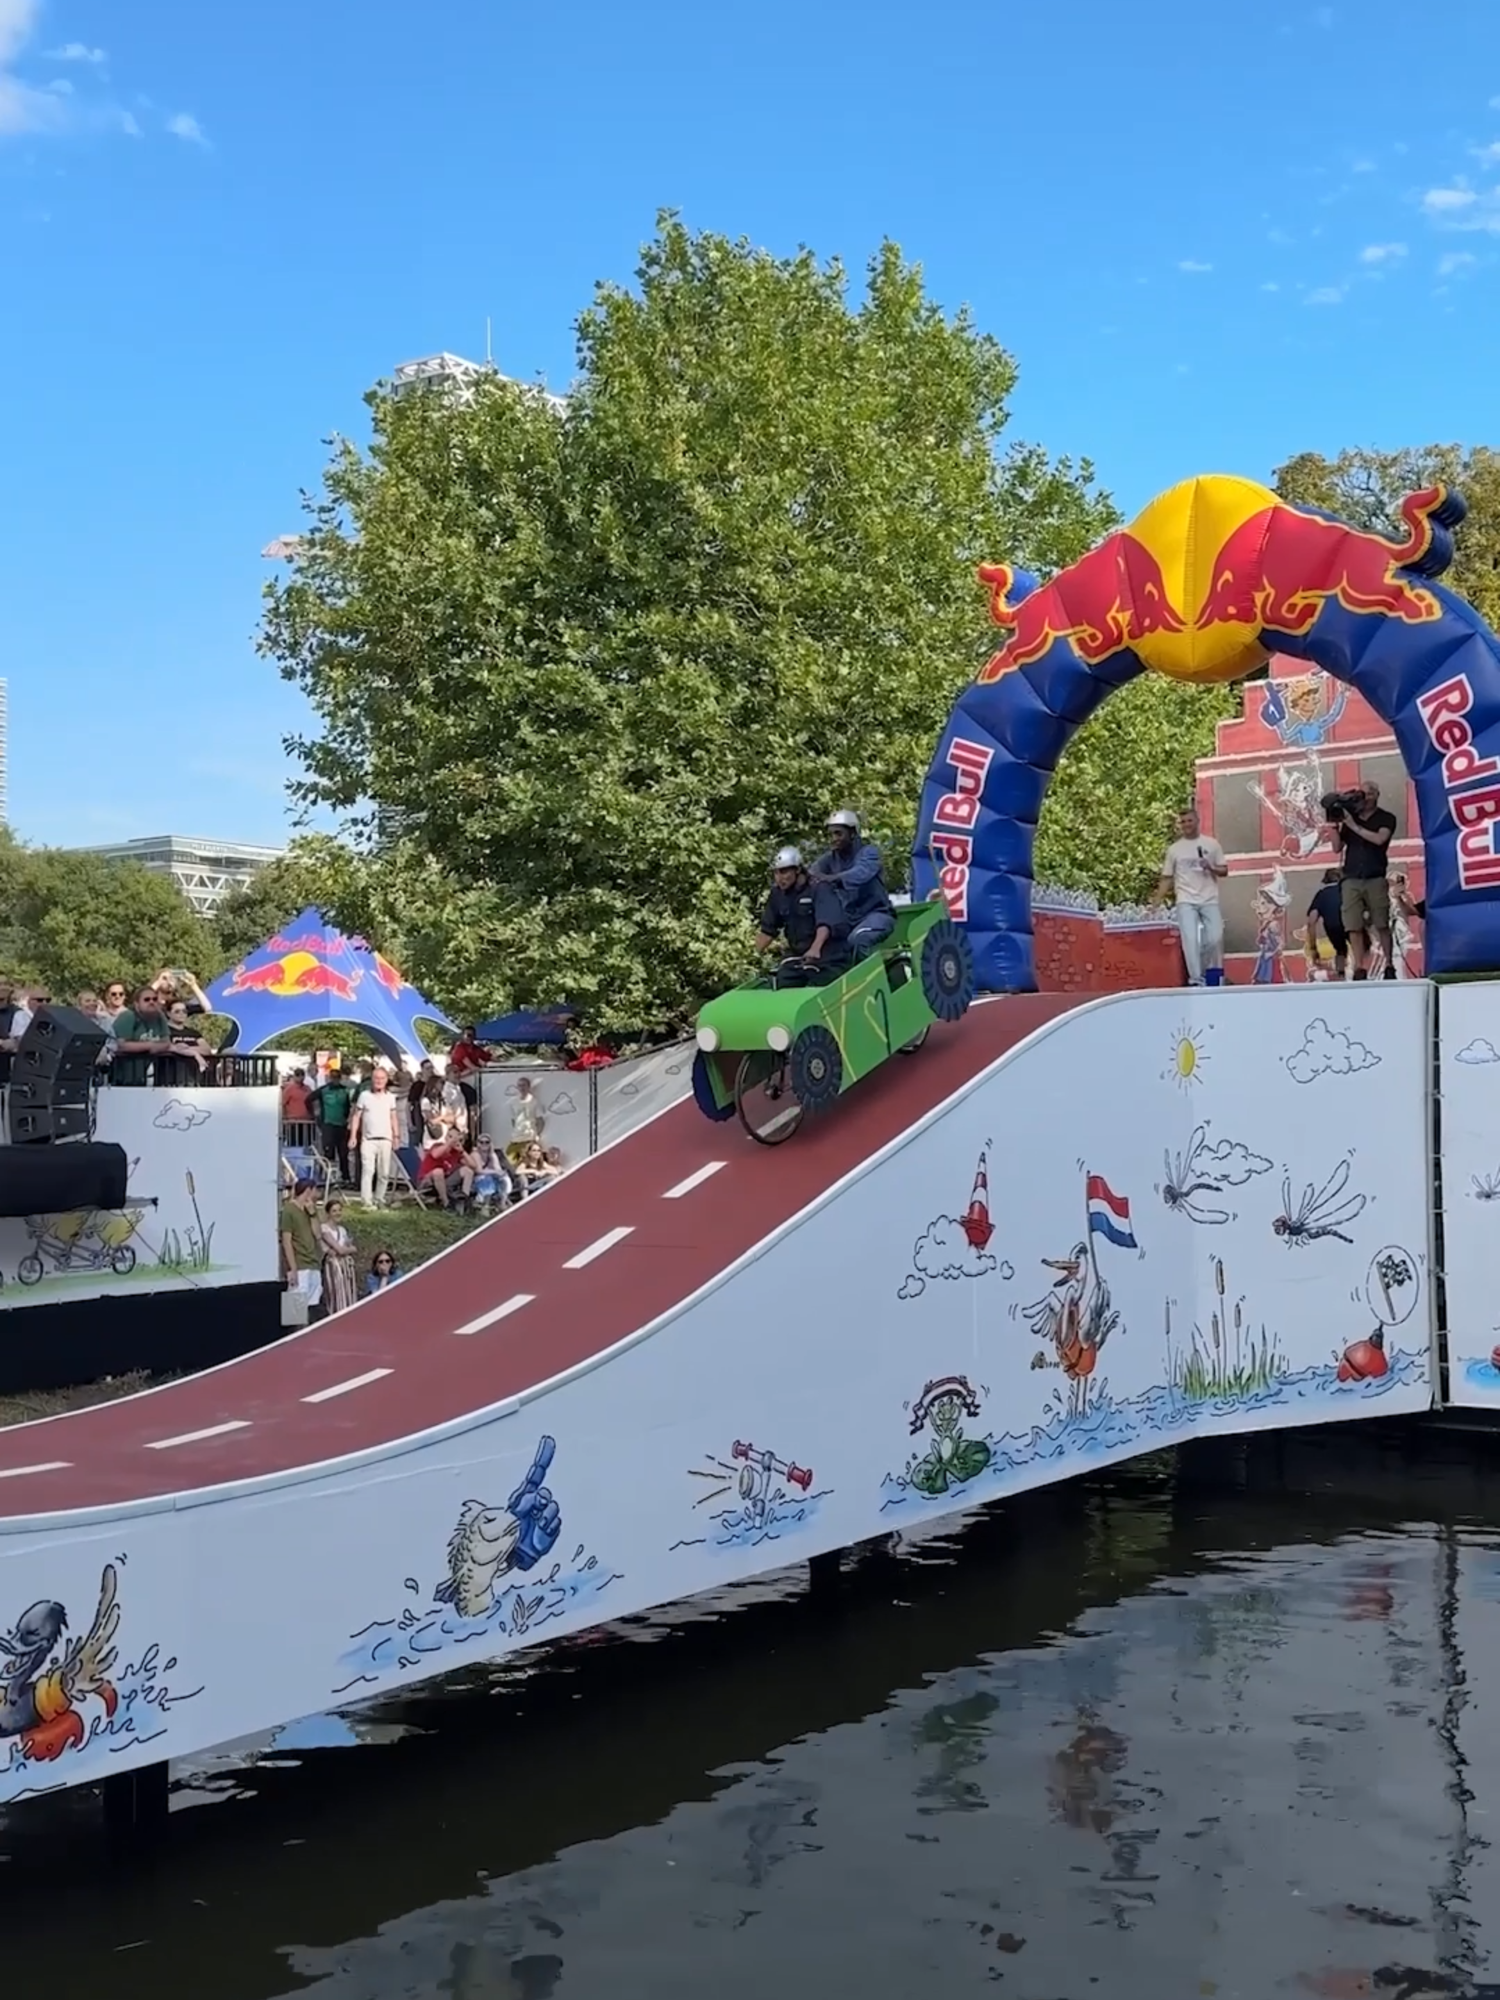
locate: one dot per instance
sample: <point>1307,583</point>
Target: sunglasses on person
<point>382,1263</point>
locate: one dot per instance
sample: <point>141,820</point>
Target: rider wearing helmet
<point>806,914</point>
<point>853,868</point>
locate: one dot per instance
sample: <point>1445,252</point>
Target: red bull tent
<point>309,974</point>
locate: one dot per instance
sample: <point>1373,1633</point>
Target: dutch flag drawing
<point>1109,1214</point>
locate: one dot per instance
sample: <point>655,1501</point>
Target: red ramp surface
<point>621,1241</point>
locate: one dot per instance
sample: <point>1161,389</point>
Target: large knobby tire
<point>817,1068</point>
<point>947,971</point>
<point>703,1092</point>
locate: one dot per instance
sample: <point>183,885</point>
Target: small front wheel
<point>769,1108</point>
<point>817,1068</point>
<point>122,1261</point>
<point>704,1095</point>
<point>29,1270</point>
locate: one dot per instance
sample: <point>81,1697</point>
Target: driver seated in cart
<point>808,917</point>
<point>853,868</point>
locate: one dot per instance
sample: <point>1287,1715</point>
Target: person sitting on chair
<point>806,916</point>
<point>853,868</point>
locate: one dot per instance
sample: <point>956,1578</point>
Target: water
<point>1213,1727</point>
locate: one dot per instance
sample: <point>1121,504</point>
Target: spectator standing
<point>339,1282</point>
<point>174,983</point>
<point>116,998</point>
<point>527,1119</point>
<point>10,1007</point>
<point>1192,869</point>
<point>332,1104</point>
<point>373,1130</point>
<point>296,1099</point>
<point>465,1059</point>
<point>188,1061</point>
<point>301,1253</point>
<point>1325,916</point>
<point>140,1032</point>
<point>1365,833</point>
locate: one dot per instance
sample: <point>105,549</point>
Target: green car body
<point>828,1037</point>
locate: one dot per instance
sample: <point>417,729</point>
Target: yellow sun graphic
<point>1188,1056</point>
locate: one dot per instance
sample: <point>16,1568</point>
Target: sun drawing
<point>1187,1059</point>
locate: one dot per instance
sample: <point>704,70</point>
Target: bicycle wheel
<point>29,1270</point>
<point>763,1096</point>
<point>122,1260</point>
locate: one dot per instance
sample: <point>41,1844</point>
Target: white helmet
<point>843,817</point>
<point>787,857</point>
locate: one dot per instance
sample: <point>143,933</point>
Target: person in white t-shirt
<point>375,1131</point>
<point>1192,869</point>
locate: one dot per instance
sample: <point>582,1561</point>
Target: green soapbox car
<point>776,1053</point>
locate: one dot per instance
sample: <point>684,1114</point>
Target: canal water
<point>1222,1725</point>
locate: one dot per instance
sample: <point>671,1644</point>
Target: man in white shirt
<point>1192,869</point>
<point>373,1130</point>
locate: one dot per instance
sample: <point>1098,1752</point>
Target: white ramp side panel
<point>1164,1216</point>
<point>1469,1122</point>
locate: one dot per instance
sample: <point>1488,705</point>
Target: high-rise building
<point>204,870</point>
<point>457,378</point>
<point>4,753</point>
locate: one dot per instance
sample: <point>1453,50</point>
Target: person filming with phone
<point>1192,869</point>
<point>1364,832</point>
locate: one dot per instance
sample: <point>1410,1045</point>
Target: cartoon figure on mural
<point>951,1458</point>
<point>1485,1187</point>
<point>1271,900</point>
<point>765,1497</point>
<point>1392,1288</point>
<point>957,1246</point>
<point>61,1696</point>
<point>1296,806</point>
<point>1304,710</point>
<point>1320,1212</point>
<point>1201,1169</point>
<point>495,1585</point>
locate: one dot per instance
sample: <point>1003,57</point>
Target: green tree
<point>1366,487</point>
<point>316,872</point>
<point>73,920</point>
<point>581,669</point>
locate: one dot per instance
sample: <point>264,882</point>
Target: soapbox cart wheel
<point>817,1068</point>
<point>947,971</point>
<point>769,1108</point>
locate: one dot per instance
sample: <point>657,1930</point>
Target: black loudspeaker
<point>42,1180</point>
<point>52,1076</point>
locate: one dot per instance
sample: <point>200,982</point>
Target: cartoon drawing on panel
<point>957,1246</point>
<point>498,1583</point>
<point>62,1696</point>
<point>1392,1288</point>
<point>1485,1187</point>
<point>1304,709</point>
<point>1295,806</point>
<point>756,1497</point>
<point>951,1458</point>
<point>1187,1057</point>
<point>1224,1360</point>
<point>1325,1051</point>
<point>1201,1169</point>
<point>1478,1053</point>
<point>1271,900</point>
<point>1320,1213</point>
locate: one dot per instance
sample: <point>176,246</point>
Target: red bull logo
<point>317,942</point>
<point>294,977</point>
<point>952,842</point>
<point>387,974</point>
<point>1108,600</point>
<point>1475,812</point>
<point>1281,566</point>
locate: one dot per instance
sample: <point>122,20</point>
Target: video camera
<point>1337,805</point>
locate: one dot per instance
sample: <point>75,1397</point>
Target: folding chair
<point>403,1184</point>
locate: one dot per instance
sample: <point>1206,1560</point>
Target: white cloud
<point>1448,200</point>
<point>77,52</point>
<point>1326,295</point>
<point>60,86</point>
<point>1270,286</point>
<point>1363,167</point>
<point>1192,264</point>
<point>23,108</point>
<point>1495,104</point>
<point>1456,260</point>
<point>1490,154</point>
<point>183,125</point>
<point>1480,1051</point>
<point>1381,253</point>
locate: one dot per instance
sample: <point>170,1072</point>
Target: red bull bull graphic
<point>387,974</point>
<point>1194,590</point>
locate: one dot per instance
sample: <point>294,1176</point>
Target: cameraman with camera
<point>1364,832</point>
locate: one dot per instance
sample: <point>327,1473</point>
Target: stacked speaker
<point>52,1077</point>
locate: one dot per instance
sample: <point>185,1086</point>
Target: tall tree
<point>1366,487</point>
<point>587,667</point>
<point>72,920</point>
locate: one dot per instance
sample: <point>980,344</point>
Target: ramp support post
<point>135,1804</point>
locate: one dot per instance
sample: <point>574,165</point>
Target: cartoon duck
<point>40,1693</point>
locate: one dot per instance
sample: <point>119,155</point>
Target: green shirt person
<point>334,1102</point>
<point>299,1246</point>
<point>139,1033</point>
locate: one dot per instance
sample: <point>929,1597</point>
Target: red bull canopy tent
<point>309,974</point>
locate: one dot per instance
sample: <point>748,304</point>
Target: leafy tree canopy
<point>1366,488</point>
<point>72,920</point>
<point>576,672</point>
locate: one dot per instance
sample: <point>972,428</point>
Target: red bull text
<point>1445,712</point>
<point>952,843</point>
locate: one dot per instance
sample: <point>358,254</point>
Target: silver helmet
<point>787,857</point>
<point>843,817</point>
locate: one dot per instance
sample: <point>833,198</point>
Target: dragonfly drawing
<point>1321,1212</point>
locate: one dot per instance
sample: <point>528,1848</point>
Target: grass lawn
<point>411,1234</point>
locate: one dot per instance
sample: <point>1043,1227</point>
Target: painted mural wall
<point>1163,1216</point>
<point>201,1207</point>
<point>1469,1082</point>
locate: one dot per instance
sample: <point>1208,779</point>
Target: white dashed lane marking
<point>342,1388</point>
<point>513,1305</point>
<point>606,1242</point>
<point>693,1180</point>
<point>49,1465</point>
<point>200,1437</point>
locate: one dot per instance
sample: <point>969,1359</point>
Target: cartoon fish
<point>480,1550</point>
<point>39,1692</point>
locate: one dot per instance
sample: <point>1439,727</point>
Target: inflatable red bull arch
<point>1202,586</point>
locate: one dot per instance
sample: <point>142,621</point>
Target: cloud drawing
<point>177,1116</point>
<point>1232,1163</point>
<point>1478,1051</point>
<point>1328,1051</point>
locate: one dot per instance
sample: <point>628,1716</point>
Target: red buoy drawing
<point>1365,1360</point>
<point>976,1221</point>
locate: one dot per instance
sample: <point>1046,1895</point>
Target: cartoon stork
<point>976,1218</point>
<point>1076,1316</point>
<point>40,1693</point>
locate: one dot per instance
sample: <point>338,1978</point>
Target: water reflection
<point>1139,1738</point>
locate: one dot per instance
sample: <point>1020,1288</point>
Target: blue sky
<point>1210,237</point>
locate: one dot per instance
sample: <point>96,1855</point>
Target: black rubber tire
<point>703,1092</point>
<point>947,971</point>
<point>122,1261</point>
<point>755,1070</point>
<point>29,1270</point>
<point>817,1068</point>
